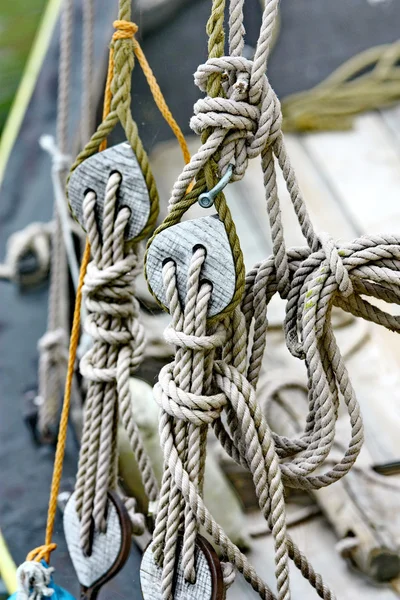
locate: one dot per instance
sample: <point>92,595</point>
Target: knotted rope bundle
<point>192,393</point>
<point>238,120</point>
<point>340,276</point>
<point>113,323</point>
<point>125,353</point>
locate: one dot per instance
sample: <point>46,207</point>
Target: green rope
<point>209,176</point>
<point>121,112</point>
<point>368,81</point>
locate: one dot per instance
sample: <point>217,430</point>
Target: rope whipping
<point>213,379</point>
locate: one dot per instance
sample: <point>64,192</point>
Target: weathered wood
<point>209,582</point>
<point>109,550</point>
<point>94,173</point>
<point>177,243</point>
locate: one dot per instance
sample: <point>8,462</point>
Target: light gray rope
<point>32,240</point>
<point>118,346</point>
<point>180,405</point>
<point>244,124</point>
<point>53,348</point>
<point>87,108</point>
<point>255,444</point>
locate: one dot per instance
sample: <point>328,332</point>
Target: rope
<point>367,81</point>
<point>217,366</point>
<point>203,167</point>
<point>44,551</point>
<point>53,346</point>
<point>87,110</point>
<point>117,103</point>
<point>33,240</point>
<point>119,341</point>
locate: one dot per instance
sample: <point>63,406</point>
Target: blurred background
<point>19,21</point>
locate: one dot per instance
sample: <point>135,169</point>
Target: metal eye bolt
<point>206,199</point>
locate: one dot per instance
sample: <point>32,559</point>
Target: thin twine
<point>44,551</point>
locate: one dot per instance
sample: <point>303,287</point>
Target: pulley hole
<point>88,191</point>
<point>199,247</point>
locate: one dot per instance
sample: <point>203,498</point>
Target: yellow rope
<point>44,551</point>
<point>126,30</point>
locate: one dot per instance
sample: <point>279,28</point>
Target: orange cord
<point>125,29</point>
<point>44,551</point>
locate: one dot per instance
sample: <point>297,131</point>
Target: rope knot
<point>61,162</point>
<point>245,121</point>
<point>187,406</point>
<point>33,580</point>
<point>124,30</point>
<point>109,294</point>
<point>194,342</point>
<point>336,265</point>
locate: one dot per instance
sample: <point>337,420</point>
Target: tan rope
<point>118,335</point>
<point>243,123</point>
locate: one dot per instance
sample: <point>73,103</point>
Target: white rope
<point>118,346</point>
<point>33,581</point>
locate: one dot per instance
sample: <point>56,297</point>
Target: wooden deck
<point>351,183</point>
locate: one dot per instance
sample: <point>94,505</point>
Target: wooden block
<point>177,243</point>
<point>109,550</point>
<point>209,583</point>
<point>93,174</point>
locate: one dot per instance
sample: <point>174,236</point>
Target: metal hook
<point>206,199</point>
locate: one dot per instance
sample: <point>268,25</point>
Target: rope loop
<point>336,266</point>
<point>41,552</point>
<point>193,408</point>
<point>193,342</point>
